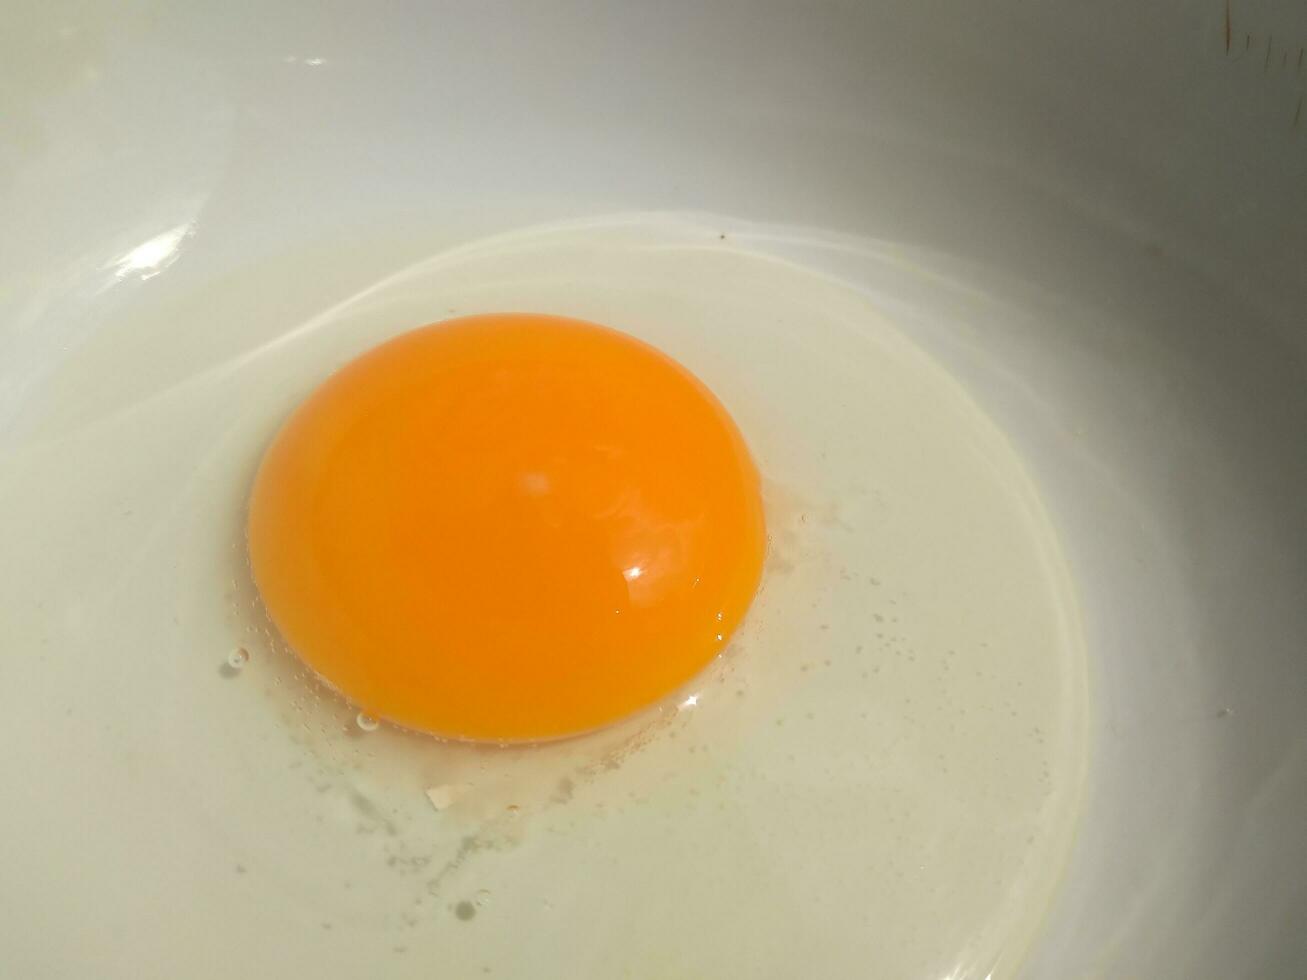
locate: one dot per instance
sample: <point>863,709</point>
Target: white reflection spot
<point>535,484</point>
<point>690,702</point>
<point>153,256</point>
<point>632,573</point>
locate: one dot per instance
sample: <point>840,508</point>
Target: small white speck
<point>443,797</point>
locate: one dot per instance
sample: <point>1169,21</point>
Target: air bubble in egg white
<point>366,722</point>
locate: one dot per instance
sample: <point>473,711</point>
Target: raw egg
<point>507,527</point>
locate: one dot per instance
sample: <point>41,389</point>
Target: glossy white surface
<point>1102,213</point>
<point>883,776</point>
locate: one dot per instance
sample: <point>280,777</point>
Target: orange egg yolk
<point>507,527</point>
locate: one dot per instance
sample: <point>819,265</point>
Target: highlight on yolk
<point>507,527</point>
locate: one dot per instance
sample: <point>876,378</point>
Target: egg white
<point>880,778</point>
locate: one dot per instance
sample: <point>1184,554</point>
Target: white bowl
<point>1111,204</point>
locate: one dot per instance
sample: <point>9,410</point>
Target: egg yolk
<point>507,527</point>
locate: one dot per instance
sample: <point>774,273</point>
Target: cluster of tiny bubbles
<point>366,722</point>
